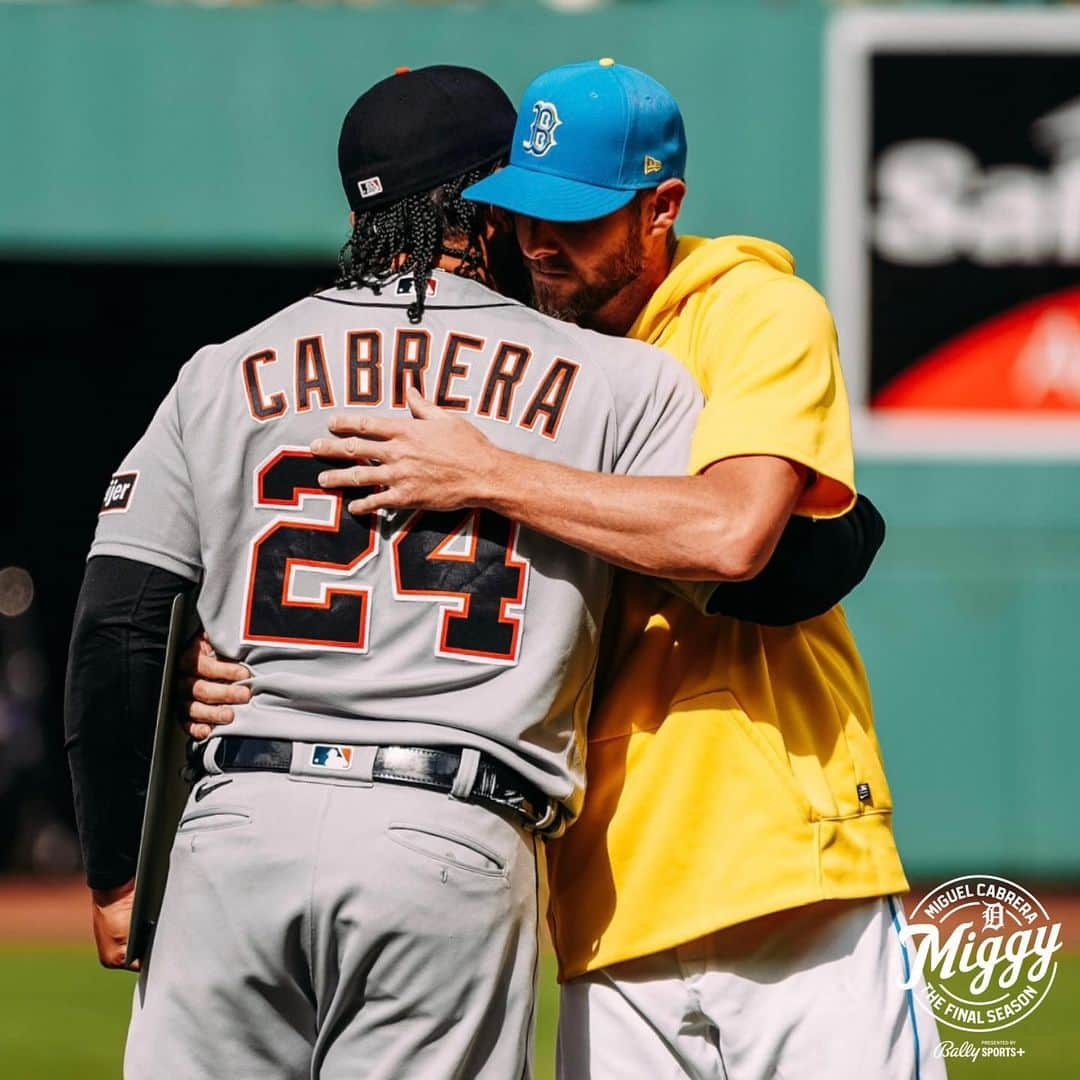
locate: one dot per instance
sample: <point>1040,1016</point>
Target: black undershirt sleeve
<point>113,678</point>
<point>815,565</point>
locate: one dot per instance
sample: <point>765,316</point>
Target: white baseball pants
<point>809,994</point>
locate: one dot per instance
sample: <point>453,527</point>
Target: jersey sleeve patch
<point>119,493</point>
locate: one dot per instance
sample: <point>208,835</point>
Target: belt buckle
<point>550,817</point>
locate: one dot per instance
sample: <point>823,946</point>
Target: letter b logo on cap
<point>542,131</point>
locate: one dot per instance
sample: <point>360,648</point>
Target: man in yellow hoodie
<point>724,906</point>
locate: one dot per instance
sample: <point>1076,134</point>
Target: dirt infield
<point>44,909</point>
<point>47,909</point>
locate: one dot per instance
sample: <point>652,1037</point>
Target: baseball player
<point>725,905</point>
<point>352,886</point>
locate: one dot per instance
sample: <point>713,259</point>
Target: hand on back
<point>441,463</point>
<point>207,689</point>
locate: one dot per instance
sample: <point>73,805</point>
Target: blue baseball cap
<point>588,137</point>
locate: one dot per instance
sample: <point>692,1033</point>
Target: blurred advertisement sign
<point>954,229</point>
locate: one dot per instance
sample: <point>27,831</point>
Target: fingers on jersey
<point>202,719</point>
<point>355,449</point>
<point>211,666</point>
<point>395,489</point>
<point>205,701</point>
<point>200,660</point>
<point>390,498</point>
<point>216,691</point>
<point>355,477</point>
<point>213,715</point>
<point>419,405</point>
<point>367,426</point>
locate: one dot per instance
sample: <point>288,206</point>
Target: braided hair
<point>409,237</point>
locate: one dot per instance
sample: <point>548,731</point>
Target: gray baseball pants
<point>328,928</point>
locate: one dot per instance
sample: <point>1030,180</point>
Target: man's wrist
<point>494,480</point>
<point>104,897</point>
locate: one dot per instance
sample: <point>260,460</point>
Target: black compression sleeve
<point>114,674</point>
<point>815,565</point>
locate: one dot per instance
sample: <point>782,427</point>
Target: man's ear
<point>497,221</point>
<point>352,219</point>
<point>666,203</point>
<point>503,256</point>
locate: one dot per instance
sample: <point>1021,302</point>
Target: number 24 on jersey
<point>464,561</point>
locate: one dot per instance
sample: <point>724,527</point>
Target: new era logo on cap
<point>371,186</point>
<point>652,165</point>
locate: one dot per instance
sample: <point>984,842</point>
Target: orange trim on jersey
<point>440,552</point>
<point>260,408</point>
<point>363,592</point>
<point>450,370</point>
<point>502,381</point>
<point>311,357</point>
<point>406,342</point>
<point>464,599</point>
<point>371,364</point>
<point>558,381</point>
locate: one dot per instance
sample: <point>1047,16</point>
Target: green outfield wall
<point>969,629</point>
<point>128,130</point>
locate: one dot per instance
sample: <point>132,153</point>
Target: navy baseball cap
<point>588,138</point>
<point>418,129</point>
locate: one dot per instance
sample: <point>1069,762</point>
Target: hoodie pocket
<point>754,766</point>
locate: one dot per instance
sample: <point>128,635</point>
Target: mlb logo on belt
<point>331,757</point>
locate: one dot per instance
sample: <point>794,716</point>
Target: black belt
<point>422,766</point>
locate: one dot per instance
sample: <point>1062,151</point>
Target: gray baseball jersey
<point>415,628</point>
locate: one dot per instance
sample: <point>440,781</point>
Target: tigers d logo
<point>542,130</point>
<point>985,947</point>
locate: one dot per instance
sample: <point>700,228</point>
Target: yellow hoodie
<point>733,769</point>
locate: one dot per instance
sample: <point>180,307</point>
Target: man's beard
<point>621,269</point>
